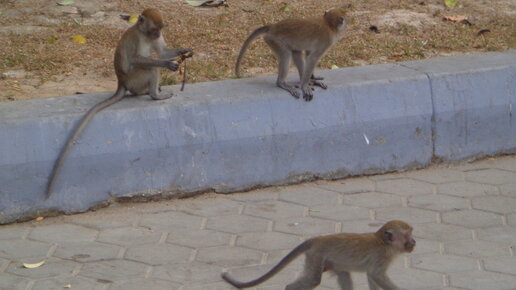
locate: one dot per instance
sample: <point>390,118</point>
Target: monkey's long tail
<point>303,247</point>
<point>247,42</point>
<point>119,94</point>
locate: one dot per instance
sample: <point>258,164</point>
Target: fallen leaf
<point>52,40</point>
<point>195,3</point>
<point>32,266</point>
<point>79,39</point>
<point>450,3</point>
<point>67,286</point>
<point>66,2</point>
<point>39,218</point>
<point>133,18</point>
<point>457,18</point>
<point>285,7</point>
<point>333,66</point>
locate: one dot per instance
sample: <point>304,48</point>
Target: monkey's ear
<point>388,237</point>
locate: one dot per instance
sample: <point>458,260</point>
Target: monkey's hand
<point>186,53</point>
<point>172,65</point>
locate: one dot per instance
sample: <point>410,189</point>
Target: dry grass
<point>216,35</point>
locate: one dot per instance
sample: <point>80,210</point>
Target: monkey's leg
<point>344,279</point>
<point>316,81</point>
<point>299,61</point>
<point>311,61</point>
<point>311,276</point>
<point>381,280</point>
<point>154,86</point>
<point>283,54</point>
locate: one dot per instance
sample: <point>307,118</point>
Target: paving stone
<point>440,232</point>
<point>412,215</point>
<point>436,175</point>
<point>211,286</point>
<point>198,238</point>
<point>10,232</point>
<point>100,220</point>
<point>508,189</point>
<point>491,176</point>
<point>237,224</point>
<point>338,212</point>
<point>274,210</point>
<point>372,200</point>
<point>51,268</point>
<point>261,194</point>
<point>497,204</point>
<point>408,278</point>
<point>348,185</point>
<point>229,256</point>
<point>186,273</point>
<point>158,254</point>
<point>18,249</point>
<point>210,207</point>
<point>424,246</point>
<point>506,163</point>
<point>267,241</point>
<point>472,218</point>
<point>361,226</point>
<point>482,280</point>
<point>309,196</point>
<point>76,283</point>
<point>466,189</point>
<point>147,284</point>
<point>438,202</point>
<point>166,221</point>
<point>113,270</point>
<point>86,251</point>
<point>511,219</point>
<point>404,187</point>
<point>129,236</point>
<point>443,263</point>
<point>12,282</point>
<point>305,226</point>
<point>476,248</point>
<point>59,233</point>
<point>506,234</point>
<point>505,264</point>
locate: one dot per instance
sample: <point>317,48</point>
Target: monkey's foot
<point>307,94</point>
<point>314,82</point>
<point>158,97</point>
<point>292,90</point>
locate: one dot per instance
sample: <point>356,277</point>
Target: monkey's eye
<point>141,19</point>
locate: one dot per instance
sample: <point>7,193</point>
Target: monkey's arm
<point>165,52</point>
<point>148,62</point>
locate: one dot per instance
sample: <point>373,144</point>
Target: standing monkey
<point>305,41</point>
<point>137,72</point>
<point>341,253</point>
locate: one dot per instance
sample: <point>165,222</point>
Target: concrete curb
<point>238,134</point>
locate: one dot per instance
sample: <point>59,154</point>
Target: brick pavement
<point>464,218</point>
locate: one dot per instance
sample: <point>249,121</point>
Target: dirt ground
<point>38,58</point>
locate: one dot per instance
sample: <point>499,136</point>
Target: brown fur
<point>137,72</point>
<point>305,41</point>
<point>343,253</point>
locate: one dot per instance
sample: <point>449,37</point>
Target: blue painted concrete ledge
<point>240,134</point>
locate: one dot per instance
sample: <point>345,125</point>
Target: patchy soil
<point>38,58</point>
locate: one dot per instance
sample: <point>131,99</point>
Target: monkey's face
<point>410,243</point>
<point>149,27</point>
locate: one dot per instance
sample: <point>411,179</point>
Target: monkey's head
<point>336,18</point>
<point>150,23</point>
<point>397,234</point>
